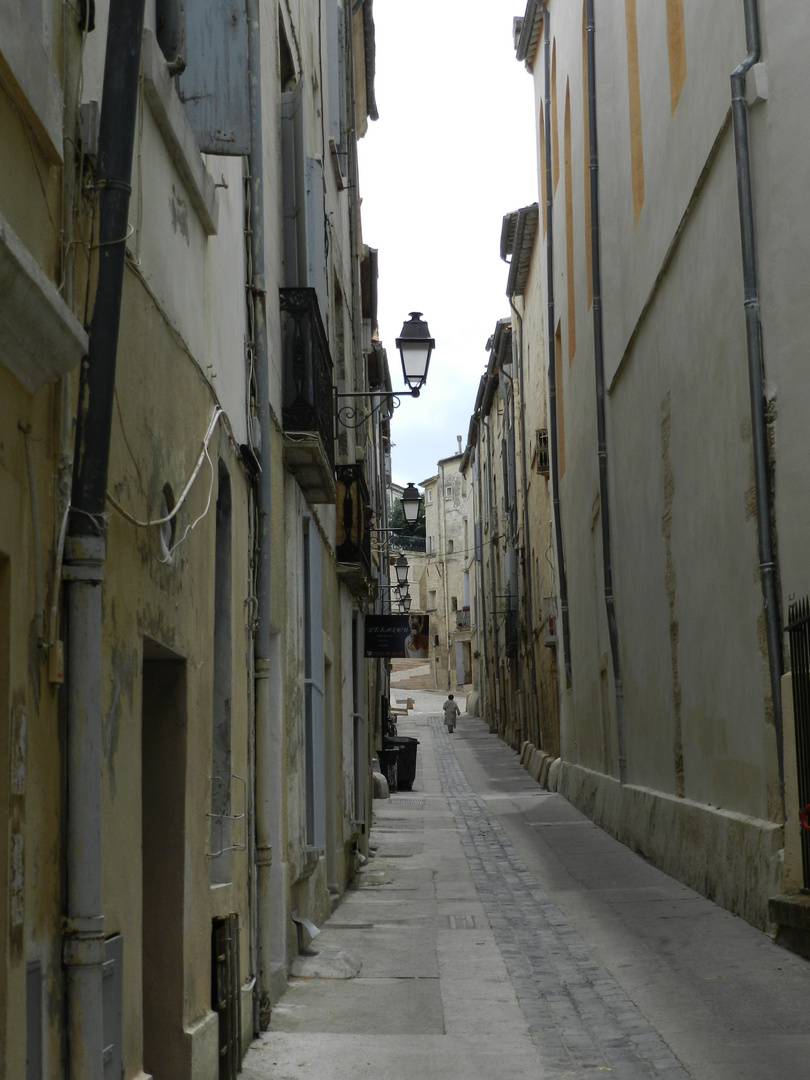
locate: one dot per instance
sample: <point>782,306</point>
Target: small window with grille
<point>542,452</point>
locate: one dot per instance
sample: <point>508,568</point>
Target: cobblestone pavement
<point>579,1016</point>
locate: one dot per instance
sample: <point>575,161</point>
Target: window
<point>448,491</point>
<point>429,495</point>
<point>429,546</point>
<point>302,192</point>
<point>454,603</point>
<point>450,544</point>
<point>211,41</point>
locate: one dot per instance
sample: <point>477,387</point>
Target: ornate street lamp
<point>401,566</point>
<point>411,501</point>
<point>415,346</point>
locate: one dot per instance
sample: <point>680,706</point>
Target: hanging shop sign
<point>397,635</point>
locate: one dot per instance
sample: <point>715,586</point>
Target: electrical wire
<point>204,456</point>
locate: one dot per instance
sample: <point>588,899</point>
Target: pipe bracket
<point>84,951</point>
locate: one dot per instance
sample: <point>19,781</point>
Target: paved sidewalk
<point>501,933</point>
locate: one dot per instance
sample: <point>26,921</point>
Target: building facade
<point>185,559</point>
<point>446,584</point>
<point>668,249</point>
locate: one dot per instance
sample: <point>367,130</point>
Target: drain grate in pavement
<point>461,922</point>
<point>407,802</point>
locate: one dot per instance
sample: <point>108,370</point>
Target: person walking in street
<point>451,711</point>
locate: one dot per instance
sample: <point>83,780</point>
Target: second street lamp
<point>411,502</point>
<point>401,566</point>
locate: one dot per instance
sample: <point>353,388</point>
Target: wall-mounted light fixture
<point>401,566</point>
<point>411,502</point>
<point>415,348</point>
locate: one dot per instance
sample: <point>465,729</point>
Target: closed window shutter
<point>214,85</point>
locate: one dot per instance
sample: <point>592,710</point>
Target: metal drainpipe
<point>263,661</point>
<point>599,366</point>
<point>767,559</point>
<point>478,550</point>
<point>443,549</point>
<point>523,723</point>
<point>493,606</point>
<point>527,563</point>
<point>552,366</point>
<point>83,950</point>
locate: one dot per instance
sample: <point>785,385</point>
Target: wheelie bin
<point>406,760</point>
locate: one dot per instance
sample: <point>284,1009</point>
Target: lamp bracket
<point>347,415</point>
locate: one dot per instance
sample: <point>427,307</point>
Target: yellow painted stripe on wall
<point>636,148</point>
<point>586,157</point>
<point>555,137</point>
<point>676,48</point>
<point>569,227</point>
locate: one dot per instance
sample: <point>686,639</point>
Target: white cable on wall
<point>204,455</point>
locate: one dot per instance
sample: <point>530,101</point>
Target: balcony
<point>353,529</point>
<point>462,619</point>
<point>307,414</point>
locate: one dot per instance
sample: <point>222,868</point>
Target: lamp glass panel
<point>415,356</point>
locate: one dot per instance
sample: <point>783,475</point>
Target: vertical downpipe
<point>83,947</point>
<point>753,333</point>
<point>552,364</point>
<point>599,367</point>
<point>534,722</point>
<point>492,586</point>
<point>264,781</point>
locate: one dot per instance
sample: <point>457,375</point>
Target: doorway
<point>163,785</point>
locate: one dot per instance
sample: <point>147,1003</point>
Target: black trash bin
<point>406,760</point>
<point>389,756</point>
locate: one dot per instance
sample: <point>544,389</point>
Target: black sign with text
<point>397,635</point>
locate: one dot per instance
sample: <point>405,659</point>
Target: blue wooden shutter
<point>214,85</point>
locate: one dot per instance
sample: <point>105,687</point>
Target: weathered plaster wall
<point>700,737</point>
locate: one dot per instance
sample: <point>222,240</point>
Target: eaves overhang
<point>528,37</point>
<point>518,233</point>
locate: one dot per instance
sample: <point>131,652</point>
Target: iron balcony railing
<point>308,403</point>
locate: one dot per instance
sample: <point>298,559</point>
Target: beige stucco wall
<point>535,514</point>
<point>700,737</point>
<point>172,605</point>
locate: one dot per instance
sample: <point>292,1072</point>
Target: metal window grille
<point>225,999</point>
<point>542,452</point>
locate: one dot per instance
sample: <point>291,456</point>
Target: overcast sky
<point>453,151</point>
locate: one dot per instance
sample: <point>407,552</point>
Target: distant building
<point>446,582</point>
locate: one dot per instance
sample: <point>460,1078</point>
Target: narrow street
<point>498,932</point>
